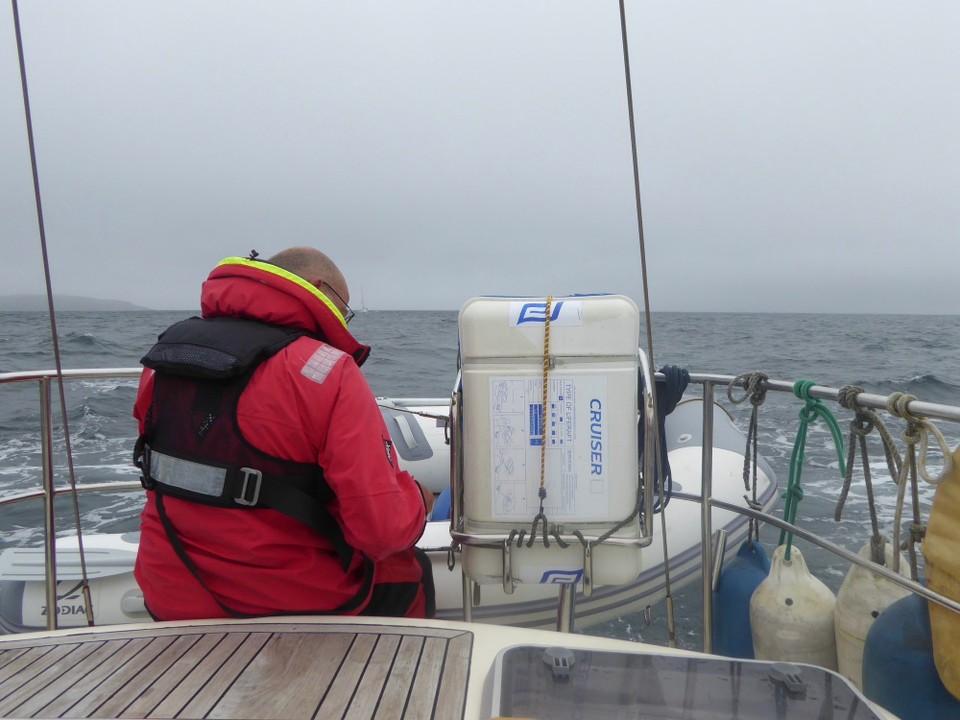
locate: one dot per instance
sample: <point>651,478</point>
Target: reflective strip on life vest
<point>187,475</point>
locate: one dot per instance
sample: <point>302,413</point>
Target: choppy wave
<point>927,387</point>
<point>415,355</point>
<point>80,340</point>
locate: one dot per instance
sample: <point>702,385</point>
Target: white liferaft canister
<point>589,429</point>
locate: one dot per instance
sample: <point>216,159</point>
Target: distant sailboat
<point>363,303</point>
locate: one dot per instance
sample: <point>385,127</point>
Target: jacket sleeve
<point>381,508</point>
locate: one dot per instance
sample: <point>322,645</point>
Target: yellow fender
<point>941,550</point>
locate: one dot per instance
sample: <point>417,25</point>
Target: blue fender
<point>441,506</point>
<point>898,668</point>
<point>731,601</point>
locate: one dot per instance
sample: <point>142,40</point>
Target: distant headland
<point>28,303</point>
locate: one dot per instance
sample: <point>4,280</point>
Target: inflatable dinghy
<point>419,431</point>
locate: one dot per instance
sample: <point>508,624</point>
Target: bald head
<point>317,269</point>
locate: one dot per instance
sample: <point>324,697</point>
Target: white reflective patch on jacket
<point>321,363</point>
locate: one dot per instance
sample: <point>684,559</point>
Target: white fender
<point>791,614</point>
<point>862,597</point>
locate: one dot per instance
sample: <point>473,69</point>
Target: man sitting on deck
<point>272,484</point>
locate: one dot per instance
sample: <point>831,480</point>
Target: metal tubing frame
<point>49,506</point>
<point>456,456</point>
<point>498,540</point>
<point>706,516</point>
<point>566,609</point>
<point>650,444</point>
<point>467,598</point>
<point>719,550</point>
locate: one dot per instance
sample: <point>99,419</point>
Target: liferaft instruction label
<point>574,430</point>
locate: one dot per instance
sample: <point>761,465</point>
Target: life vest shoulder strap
<point>217,348</point>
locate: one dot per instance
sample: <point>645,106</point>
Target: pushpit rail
<point>48,492</point>
<point>936,411</point>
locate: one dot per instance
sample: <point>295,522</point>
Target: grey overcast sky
<point>794,156</point>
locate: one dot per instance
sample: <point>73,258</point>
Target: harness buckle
<point>248,473</point>
<point>141,459</point>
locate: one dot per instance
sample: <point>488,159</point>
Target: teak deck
<point>262,671</point>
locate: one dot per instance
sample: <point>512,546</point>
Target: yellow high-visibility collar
<point>286,274</point>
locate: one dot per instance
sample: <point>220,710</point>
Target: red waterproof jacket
<point>308,403</point>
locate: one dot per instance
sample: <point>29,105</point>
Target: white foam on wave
<point>19,449</point>
<point>107,385</point>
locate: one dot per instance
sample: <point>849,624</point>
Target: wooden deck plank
<point>28,664</point>
<point>98,662</point>
<point>393,702</point>
<point>341,690</point>
<point>225,676</point>
<point>111,676</point>
<point>8,656</point>
<point>452,695</point>
<point>193,682</point>
<point>263,671</point>
<point>45,682</point>
<point>18,666</point>
<point>125,677</point>
<point>424,691</point>
<point>287,679</point>
<point>375,675</point>
<point>170,667</point>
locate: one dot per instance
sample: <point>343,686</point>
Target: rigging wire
<point>88,605</point>
<point>636,186</point>
<point>646,300</point>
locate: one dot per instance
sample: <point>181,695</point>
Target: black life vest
<point>192,447</point>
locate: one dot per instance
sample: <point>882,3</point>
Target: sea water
<point>415,355</point>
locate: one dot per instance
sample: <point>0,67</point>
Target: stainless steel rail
<point>706,516</point>
<point>49,492</point>
<point>105,487</point>
<point>843,553</point>
<point>47,375</point>
<point>877,402</point>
